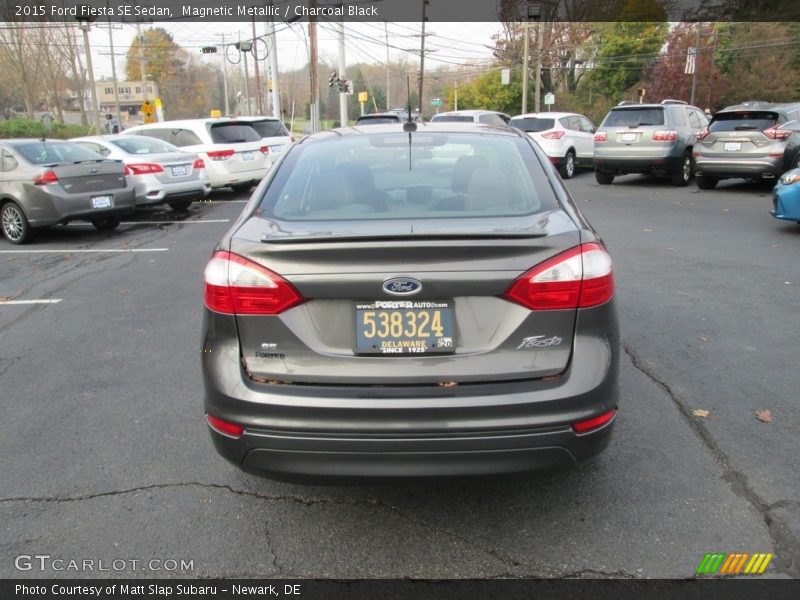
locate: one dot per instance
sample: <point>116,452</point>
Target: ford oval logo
<point>402,286</point>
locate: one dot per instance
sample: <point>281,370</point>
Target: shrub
<point>27,128</point>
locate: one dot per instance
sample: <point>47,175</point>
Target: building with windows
<point>132,95</point>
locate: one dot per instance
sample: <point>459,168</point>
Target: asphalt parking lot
<point>105,454</point>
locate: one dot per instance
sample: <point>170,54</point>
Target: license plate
<point>628,137</point>
<point>404,327</point>
<point>101,202</point>
<point>179,171</point>
<point>247,156</point>
<point>733,146</point>
<point>276,149</point>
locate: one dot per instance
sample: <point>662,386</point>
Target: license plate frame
<point>627,137</point>
<point>732,146</point>
<point>104,201</point>
<point>430,331</point>
<point>179,171</point>
<point>247,156</point>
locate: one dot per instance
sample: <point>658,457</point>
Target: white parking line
<point>51,301</point>
<point>181,222</point>
<point>82,250</point>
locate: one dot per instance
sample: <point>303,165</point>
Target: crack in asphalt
<point>11,362</point>
<point>787,545</point>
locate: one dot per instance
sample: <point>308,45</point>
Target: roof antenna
<point>409,125</point>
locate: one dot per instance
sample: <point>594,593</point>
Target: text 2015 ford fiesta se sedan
<point>424,303</point>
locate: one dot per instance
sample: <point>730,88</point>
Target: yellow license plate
<point>404,327</point>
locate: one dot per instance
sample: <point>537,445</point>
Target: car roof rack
<point>671,101</point>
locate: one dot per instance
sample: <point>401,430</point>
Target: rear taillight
<point>224,427</point>
<point>46,178</point>
<point>235,285</point>
<point>144,168</point>
<point>198,164</point>
<point>554,135</point>
<point>220,154</point>
<point>702,134</point>
<point>594,423</point>
<point>601,136</point>
<point>264,149</point>
<point>774,133</point>
<point>581,277</point>
<point>665,135</point>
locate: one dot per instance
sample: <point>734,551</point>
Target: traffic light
<point>333,80</point>
<point>208,49</point>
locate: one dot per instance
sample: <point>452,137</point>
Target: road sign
<point>436,102</point>
<point>363,96</point>
<point>549,99</point>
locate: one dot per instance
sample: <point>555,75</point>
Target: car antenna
<point>409,125</point>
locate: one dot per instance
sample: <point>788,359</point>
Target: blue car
<point>786,197</point>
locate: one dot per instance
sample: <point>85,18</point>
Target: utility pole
<point>538,83</point>
<point>696,63</point>
<point>422,53</point>
<point>114,70</point>
<point>386,31</point>
<point>258,76</point>
<point>526,51</point>
<point>142,74</point>
<point>273,67</point>
<point>312,36</point>
<point>85,27</point>
<point>343,116</point>
<point>225,75</point>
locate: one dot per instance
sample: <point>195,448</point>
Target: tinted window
<point>453,119</point>
<point>586,125</point>
<point>95,148</point>
<point>634,117</point>
<point>158,133</point>
<point>678,116</point>
<point>532,124</point>
<point>9,163</point>
<point>232,133</point>
<point>143,145</point>
<point>379,176</point>
<point>187,137</point>
<point>377,119</point>
<point>743,121</point>
<point>42,153</point>
<point>270,128</point>
<point>694,120</point>
<point>492,120</point>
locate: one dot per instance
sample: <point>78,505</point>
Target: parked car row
<point>101,178</point>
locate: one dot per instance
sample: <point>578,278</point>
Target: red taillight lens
<point>144,168</point>
<point>665,135</point>
<point>235,285</point>
<point>581,277</point>
<point>702,134</point>
<point>199,164</point>
<point>223,427</point>
<point>220,154</point>
<point>594,422</point>
<point>601,136</point>
<point>264,149</point>
<point>554,135</point>
<point>774,133</point>
<point>46,178</point>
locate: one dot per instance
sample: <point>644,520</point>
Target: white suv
<point>488,117</point>
<point>273,133</point>
<point>566,138</point>
<point>233,152</point>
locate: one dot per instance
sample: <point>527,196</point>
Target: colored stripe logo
<point>735,563</point>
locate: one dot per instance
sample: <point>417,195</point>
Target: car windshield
<point>233,133</point>
<point>270,128</point>
<point>532,124</point>
<point>743,121</point>
<point>144,145</point>
<point>453,119</point>
<point>432,176</point>
<point>42,153</point>
<point>634,117</point>
<point>378,119</point>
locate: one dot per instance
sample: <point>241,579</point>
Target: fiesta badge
<point>402,286</point>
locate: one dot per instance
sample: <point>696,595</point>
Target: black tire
<point>568,169</point>
<point>180,205</point>
<point>242,187</point>
<point>706,183</point>
<point>14,223</point>
<point>603,178</point>
<point>683,176</point>
<point>106,223</point>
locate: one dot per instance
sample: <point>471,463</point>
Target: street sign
<point>363,96</point>
<point>436,102</point>
<point>549,99</point>
<point>505,76</point>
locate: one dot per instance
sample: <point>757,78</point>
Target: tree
<point>489,93</point>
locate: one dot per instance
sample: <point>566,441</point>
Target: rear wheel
<point>242,187</point>
<point>106,224</point>
<point>706,183</point>
<point>16,228</point>
<point>180,205</point>
<point>568,170</point>
<point>603,178</point>
<point>682,177</point>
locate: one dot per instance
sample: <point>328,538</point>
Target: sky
<point>450,44</point>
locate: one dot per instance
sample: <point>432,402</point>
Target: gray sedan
<point>50,182</point>
<point>160,172</point>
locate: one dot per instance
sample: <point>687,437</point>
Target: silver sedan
<point>159,172</point>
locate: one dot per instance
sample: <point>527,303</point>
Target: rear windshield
<point>453,119</point>
<point>634,117</point>
<point>743,121</point>
<point>382,176</point>
<point>270,128</point>
<point>233,133</point>
<point>532,124</point>
<point>44,153</point>
<point>144,145</point>
<point>378,119</point>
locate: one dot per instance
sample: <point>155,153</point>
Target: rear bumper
<point>334,433</point>
<point>615,166</point>
<point>154,192</point>
<point>768,167</point>
<point>45,209</point>
<point>220,176</point>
